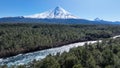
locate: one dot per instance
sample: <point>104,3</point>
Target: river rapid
<point>38,55</point>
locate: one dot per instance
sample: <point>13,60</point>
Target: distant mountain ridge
<point>58,15</point>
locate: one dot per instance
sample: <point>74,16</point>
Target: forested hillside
<point>99,55</point>
<point>23,38</point>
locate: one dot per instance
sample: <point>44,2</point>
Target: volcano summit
<point>57,13</point>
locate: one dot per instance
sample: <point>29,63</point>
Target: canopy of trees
<point>99,55</point>
<point>22,38</point>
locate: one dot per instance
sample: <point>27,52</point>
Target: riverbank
<point>33,49</point>
<point>25,38</point>
<point>38,55</point>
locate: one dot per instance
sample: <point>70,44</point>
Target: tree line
<point>99,55</point>
<point>22,38</point>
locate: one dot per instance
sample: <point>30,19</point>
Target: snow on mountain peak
<point>57,13</point>
<point>58,10</point>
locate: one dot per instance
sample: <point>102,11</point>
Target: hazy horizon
<point>85,9</point>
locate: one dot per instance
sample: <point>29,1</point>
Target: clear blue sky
<point>87,9</point>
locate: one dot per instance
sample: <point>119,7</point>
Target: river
<point>38,55</point>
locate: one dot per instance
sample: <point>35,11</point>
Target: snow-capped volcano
<point>57,13</point>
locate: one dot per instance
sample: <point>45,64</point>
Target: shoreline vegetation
<point>100,55</point>
<point>23,38</point>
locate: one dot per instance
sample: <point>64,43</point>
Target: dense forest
<point>22,38</point>
<point>104,54</point>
